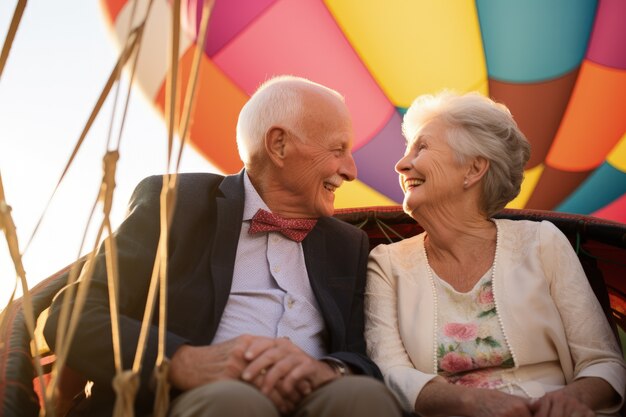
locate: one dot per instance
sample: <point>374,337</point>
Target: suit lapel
<point>229,212</point>
<point>315,258</point>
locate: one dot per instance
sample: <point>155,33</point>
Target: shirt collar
<point>252,200</point>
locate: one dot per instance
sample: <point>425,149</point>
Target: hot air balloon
<point>560,68</point>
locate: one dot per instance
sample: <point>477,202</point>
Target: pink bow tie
<point>294,229</point>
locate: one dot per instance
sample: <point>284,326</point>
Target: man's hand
<point>192,366</point>
<point>285,368</point>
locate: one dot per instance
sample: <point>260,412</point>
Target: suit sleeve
<point>355,356</point>
<point>91,351</point>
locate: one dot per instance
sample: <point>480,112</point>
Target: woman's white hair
<point>477,127</point>
<point>278,101</point>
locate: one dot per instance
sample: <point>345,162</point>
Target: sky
<point>60,60</point>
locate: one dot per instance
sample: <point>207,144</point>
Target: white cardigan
<point>548,312</point>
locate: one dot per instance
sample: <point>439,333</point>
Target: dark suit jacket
<point>202,248</point>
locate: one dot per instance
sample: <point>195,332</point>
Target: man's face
<point>320,158</point>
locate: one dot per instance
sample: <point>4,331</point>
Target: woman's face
<point>429,173</point>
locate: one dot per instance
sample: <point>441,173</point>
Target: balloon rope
<point>105,197</point>
<point>171,86</point>
<point>168,197</point>
<point>117,77</point>
<point>105,92</point>
<point>168,193</point>
<point>190,95</point>
<point>125,384</point>
<point>68,322</point>
<point>158,284</point>
<point>8,226</point>
<point>15,23</point>
<point>382,226</point>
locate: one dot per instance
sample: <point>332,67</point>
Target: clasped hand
<point>554,404</point>
<point>277,367</point>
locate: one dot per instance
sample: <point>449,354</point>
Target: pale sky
<point>59,63</point>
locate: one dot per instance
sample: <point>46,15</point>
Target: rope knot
<point>125,384</point>
<point>162,397</point>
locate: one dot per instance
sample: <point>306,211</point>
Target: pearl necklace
<point>493,289</point>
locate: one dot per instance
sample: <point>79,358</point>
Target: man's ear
<point>476,170</point>
<point>275,144</point>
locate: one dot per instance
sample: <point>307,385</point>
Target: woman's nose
<point>403,164</point>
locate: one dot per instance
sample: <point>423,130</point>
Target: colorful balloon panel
<point>537,108</point>
<point>594,120</point>
<point>597,110</point>
<point>228,19</point>
<point>314,48</point>
<point>152,65</point>
<point>534,40</point>
<point>593,123</point>
<point>383,151</point>
<point>606,184</point>
<point>560,66</point>
<point>601,188</point>
<point>606,46</point>
<point>615,211</point>
<point>112,8</point>
<point>531,177</point>
<point>218,102</point>
<point>406,45</point>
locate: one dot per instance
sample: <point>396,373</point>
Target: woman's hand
<point>439,398</point>
<point>560,404</point>
<point>492,403</point>
<point>579,399</point>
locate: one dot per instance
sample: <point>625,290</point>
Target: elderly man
<point>265,289</point>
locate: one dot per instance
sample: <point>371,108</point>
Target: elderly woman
<point>478,316</point>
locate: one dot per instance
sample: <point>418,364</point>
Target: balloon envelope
<point>559,66</point>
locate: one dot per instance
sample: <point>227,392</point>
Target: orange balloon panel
<point>594,121</point>
<point>112,7</point>
<point>214,117</point>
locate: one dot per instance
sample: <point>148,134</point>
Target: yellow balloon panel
<point>481,87</point>
<point>415,47</point>
<point>531,177</point>
<point>357,194</point>
<point>617,157</point>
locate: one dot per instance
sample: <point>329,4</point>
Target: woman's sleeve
<point>384,343</point>
<point>591,341</point>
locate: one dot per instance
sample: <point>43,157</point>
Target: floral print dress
<point>471,348</point>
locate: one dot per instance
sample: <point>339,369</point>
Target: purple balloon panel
<point>376,160</point>
<point>228,18</point>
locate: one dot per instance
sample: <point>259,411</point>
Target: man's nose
<point>349,171</point>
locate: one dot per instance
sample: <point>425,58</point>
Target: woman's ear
<point>275,144</point>
<point>476,170</point>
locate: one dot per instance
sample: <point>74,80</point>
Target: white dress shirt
<point>270,293</point>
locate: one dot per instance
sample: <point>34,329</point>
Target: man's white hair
<point>278,101</point>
